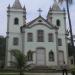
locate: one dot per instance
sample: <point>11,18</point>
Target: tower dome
<point>55,6</point>
<point>17,5</point>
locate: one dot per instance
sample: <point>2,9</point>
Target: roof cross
<point>40,11</point>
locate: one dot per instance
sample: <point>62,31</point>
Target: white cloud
<point>32,7</point>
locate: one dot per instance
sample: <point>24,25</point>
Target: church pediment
<point>40,21</point>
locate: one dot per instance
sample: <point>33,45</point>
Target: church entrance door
<point>40,56</point>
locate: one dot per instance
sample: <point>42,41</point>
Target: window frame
<point>40,35</point>
<point>15,43</point>
<point>58,23</point>
<point>50,37</point>
<point>16,21</point>
<point>30,55</point>
<point>59,42</point>
<point>29,37</point>
<point>51,56</point>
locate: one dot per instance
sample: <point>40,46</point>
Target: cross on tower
<point>40,11</point>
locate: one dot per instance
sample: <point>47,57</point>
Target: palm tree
<point>20,61</point>
<point>69,2</point>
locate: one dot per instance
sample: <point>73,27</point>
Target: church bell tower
<point>57,17</point>
<point>16,17</point>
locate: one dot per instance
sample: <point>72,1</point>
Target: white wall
<point>13,14</point>
<point>61,15</point>
<point>47,45</point>
<point>13,31</point>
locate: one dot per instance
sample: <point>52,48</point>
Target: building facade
<point>42,40</point>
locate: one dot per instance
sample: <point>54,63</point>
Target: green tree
<point>2,51</point>
<point>20,61</point>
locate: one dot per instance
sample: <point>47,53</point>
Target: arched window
<point>16,21</point>
<point>58,22</point>
<point>30,55</point>
<point>51,56</point>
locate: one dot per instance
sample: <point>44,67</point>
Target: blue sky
<point>31,7</point>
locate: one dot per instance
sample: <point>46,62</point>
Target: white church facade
<point>42,40</point>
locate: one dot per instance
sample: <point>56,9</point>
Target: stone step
<point>42,68</point>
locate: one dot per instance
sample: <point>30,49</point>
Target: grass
<point>8,74</point>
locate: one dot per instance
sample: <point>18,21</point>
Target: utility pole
<point>71,33</point>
